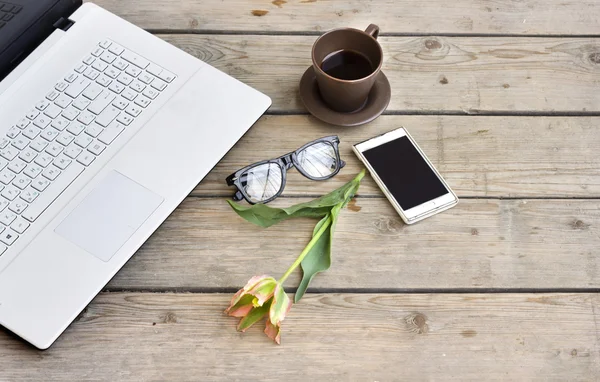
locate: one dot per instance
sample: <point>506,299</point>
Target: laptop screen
<point>24,24</point>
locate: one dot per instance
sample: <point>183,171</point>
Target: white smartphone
<point>405,175</point>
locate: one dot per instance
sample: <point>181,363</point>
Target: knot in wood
<point>417,323</point>
<point>595,57</point>
<point>432,44</point>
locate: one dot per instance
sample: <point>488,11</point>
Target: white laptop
<point>104,130</point>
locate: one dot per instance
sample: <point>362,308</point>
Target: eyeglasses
<point>264,181</point>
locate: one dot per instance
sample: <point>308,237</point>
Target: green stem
<point>311,244</point>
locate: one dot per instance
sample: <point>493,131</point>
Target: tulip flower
<point>262,296</point>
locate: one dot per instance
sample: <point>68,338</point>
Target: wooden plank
<point>393,16</point>
<point>478,244</point>
<point>186,337</point>
<point>452,74</point>
<point>479,156</point>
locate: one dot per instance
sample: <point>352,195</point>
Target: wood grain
<point>477,244</point>
<point>531,17</point>
<point>427,74</point>
<point>478,156</point>
<point>186,337</point>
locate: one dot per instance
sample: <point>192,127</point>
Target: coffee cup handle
<point>372,30</point>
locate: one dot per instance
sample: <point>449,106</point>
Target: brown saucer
<point>378,100</point>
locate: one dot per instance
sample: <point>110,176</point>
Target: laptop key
<point>136,60</point>
<point>20,142</point>
<point>96,148</point>
<point>38,144</point>
<point>23,123</point>
<point>40,184</point>
<point>6,176</point>
<point>102,102</point>
<point>89,60</point>
<point>7,217</point>
<point>8,237</point>
<point>61,86</point>
<point>10,193</point>
<point>51,173</point>
<point>166,76</point>
<point>111,132</point>
<point>52,95</point>
<point>33,171</point>
<point>73,151</point>
<point>77,87</point>
<point>81,68</point>
<point>33,113</point>
<point>42,105</point>
<point>105,44</point>
<point>107,116</point>
<point>120,64</point>
<point>21,182</point>
<point>108,57</point>
<point>81,103</point>
<point>91,73</point>
<point>42,160</point>
<point>19,225</point>
<point>9,153</point>
<point>17,166</point>
<point>92,91</point>
<point>18,206</point>
<point>86,158</point>
<point>133,71</point>
<point>71,77</point>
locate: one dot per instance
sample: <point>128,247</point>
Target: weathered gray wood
<point>478,156</point>
<point>464,75</point>
<point>477,244</point>
<point>393,16</point>
<point>186,337</point>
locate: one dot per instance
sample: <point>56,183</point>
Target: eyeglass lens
<point>318,160</point>
<point>262,182</point>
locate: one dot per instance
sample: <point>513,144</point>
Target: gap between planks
<point>467,291</point>
<point>316,33</point>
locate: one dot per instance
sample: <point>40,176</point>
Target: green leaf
<point>254,316</point>
<point>318,258</point>
<point>265,216</point>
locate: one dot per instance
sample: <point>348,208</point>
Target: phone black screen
<point>405,173</point>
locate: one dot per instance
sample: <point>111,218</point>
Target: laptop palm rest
<point>109,215</point>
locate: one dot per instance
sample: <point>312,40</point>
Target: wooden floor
<point>504,97</point>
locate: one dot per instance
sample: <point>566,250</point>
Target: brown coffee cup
<point>347,95</point>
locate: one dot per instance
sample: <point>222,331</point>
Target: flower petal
<point>255,315</point>
<point>249,285</point>
<point>242,307</point>
<point>280,307</point>
<point>263,291</point>
<point>273,332</point>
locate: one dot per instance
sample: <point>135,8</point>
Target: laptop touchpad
<point>109,215</point>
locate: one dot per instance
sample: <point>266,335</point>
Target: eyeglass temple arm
<point>342,163</point>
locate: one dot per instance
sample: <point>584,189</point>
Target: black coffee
<point>347,65</point>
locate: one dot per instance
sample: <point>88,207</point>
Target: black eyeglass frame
<point>285,162</point>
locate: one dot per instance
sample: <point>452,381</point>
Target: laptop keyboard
<point>8,12</point>
<point>64,133</point>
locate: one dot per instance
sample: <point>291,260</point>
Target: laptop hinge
<point>63,24</point>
